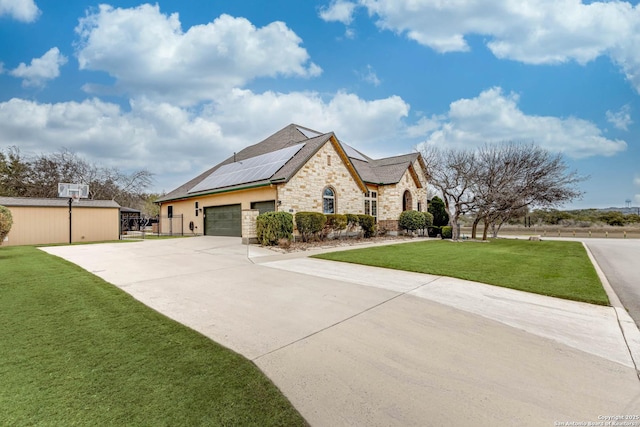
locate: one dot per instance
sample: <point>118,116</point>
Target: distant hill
<point>624,211</point>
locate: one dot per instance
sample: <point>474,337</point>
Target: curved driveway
<point>353,345</point>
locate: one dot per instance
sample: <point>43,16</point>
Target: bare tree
<point>40,175</point>
<point>511,178</point>
<point>451,171</point>
<point>498,182</point>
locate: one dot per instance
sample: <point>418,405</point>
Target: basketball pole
<point>70,202</point>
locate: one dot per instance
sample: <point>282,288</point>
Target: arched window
<point>407,202</point>
<point>328,201</point>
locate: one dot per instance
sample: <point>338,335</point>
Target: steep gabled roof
<point>364,169</point>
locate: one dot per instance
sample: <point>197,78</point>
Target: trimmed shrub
<point>428,219</point>
<point>309,224</point>
<point>352,221</point>
<point>439,212</point>
<point>6,221</point>
<point>433,231</point>
<point>446,232</point>
<point>271,227</point>
<point>335,224</point>
<point>411,220</point>
<point>368,225</point>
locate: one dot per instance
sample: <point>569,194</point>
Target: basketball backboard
<point>73,191</point>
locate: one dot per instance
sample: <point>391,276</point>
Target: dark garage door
<point>223,221</point>
<point>262,207</point>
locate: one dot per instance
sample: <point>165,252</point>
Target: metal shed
<point>46,221</point>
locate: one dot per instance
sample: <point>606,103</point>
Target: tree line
<point>496,183</point>
<point>39,175</point>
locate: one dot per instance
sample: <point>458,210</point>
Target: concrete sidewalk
<point>354,345</point>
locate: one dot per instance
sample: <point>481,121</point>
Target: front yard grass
<point>75,350</point>
<point>558,269</point>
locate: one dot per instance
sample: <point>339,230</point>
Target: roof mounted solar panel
<point>353,153</point>
<point>308,132</point>
<point>248,170</point>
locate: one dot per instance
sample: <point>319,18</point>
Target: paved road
<point>620,262</point>
<point>353,345</point>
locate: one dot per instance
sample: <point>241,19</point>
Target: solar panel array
<point>308,132</point>
<point>248,170</point>
<point>352,152</point>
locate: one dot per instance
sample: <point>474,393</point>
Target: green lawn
<point>559,269</point>
<point>75,350</point>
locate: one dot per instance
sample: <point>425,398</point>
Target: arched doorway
<point>407,201</point>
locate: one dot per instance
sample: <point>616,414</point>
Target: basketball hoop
<point>74,192</point>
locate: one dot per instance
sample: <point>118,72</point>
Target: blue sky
<point>175,87</point>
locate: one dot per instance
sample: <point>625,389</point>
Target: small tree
<point>439,212</point>
<point>6,221</point>
<point>412,220</point>
<point>428,221</point>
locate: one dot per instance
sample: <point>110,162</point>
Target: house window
<point>170,211</point>
<point>329,160</point>
<point>371,204</point>
<point>197,205</point>
<point>328,201</point>
<point>419,206</point>
<point>407,202</point>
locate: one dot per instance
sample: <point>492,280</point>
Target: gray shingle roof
<point>41,202</point>
<point>383,171</point>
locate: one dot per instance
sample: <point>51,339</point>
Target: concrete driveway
<point>354,345</point>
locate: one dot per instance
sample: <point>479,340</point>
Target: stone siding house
<point>296,169</point>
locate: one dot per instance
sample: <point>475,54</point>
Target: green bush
<point>433,231</point>
<point>368,225</point>
<point>273,226</point>
<point>439,212</point>
<point>309,224</point>
<point>428,219</point>
<point>6,221</point>
<point>352,221</point>
<point>446,232</point>
<point>411,220</point>
<point>335,224</point>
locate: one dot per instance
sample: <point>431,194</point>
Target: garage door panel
<point>265,206</point>
<point>223,220</point>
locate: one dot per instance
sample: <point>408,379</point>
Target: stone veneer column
<point>249,226</point>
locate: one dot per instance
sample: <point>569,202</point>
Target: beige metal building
<point>46,221</point>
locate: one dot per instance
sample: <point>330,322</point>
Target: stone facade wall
<point>390,198</point>
<point>249,226</point>
<point>304,190</point>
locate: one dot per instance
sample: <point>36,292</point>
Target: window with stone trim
<point>371,204</point>
<point>328,200</point>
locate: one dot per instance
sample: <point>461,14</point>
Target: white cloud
<point>47,67</point>
<point>620,119</point>
<point>21,10</point>
<point>533,32</point>
<point>636,181</point>
<point>338,10</point>
<point>370,76</point>
<point>177,143</point>
<point>495,117</point>
<point>147,52</point>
